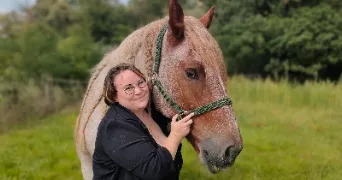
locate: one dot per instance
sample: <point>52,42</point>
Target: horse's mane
<point>140,40</point>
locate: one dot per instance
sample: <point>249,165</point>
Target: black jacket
<point>124,149</point>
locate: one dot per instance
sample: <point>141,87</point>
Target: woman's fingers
<point>185,119</point>
<point>189,122</point>
<point>174,118</point>
<point>188,117</point>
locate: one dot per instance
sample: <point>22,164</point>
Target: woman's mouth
<point>141,97</point>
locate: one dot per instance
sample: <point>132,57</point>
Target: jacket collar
<point>125,112</point>
<point>122,110</point>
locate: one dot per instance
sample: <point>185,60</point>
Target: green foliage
<point>24,55</point>
<point>51,41</point>
<point>66,38</point>
<point>297,40</point>
<point>59,14</point>
<point>20,103</point>
<point>148,10</point>
<point>108,24</point>
<point>36,50</point>
<point>9,67</point>
<point>76,64</point>
<point>290,132</point>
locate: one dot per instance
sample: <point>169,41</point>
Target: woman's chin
<point>142,104</point>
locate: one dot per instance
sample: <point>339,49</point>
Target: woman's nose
<point>137,90</point>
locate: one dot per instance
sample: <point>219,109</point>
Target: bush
<point>21,102</point>
<point>303,43</point>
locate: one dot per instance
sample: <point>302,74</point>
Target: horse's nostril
<point>205,153</point>
<point>232,152</point>
<point>227,152</point>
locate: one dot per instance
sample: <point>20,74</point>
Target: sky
<point>8,5</point>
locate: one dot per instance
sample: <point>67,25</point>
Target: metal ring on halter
<point>182,115</point>
<point>153,78</point>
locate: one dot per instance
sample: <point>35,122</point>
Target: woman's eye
<point>191,73</point>
<point>129,88</point>
<point>141,83</point>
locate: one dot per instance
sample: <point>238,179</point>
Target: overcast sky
<point>8,5</point>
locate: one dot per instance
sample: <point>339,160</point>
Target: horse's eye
<point>191,73</point>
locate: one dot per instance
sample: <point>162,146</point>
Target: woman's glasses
<point>129,89</point>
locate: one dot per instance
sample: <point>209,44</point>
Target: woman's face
<point>132,90</point>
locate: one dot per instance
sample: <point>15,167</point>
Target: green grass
<point>44,152</point>
<point>289,132</point>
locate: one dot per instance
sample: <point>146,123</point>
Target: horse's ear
<point>206,19</point>
<point>176,19</point>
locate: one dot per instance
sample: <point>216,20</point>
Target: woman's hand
<point>181,128</point>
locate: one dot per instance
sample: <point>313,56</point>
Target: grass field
<point>289,132</point>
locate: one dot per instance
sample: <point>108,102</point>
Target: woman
<point>129,143</point>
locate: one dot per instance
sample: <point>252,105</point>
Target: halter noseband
<point>200,110</point>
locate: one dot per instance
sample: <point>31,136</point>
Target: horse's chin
<point>212,166</point>
<point>213,169</point>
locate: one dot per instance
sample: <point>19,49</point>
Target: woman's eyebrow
<point>128,85</point>
<point>132,84</point>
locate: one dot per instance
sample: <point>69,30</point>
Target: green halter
<point>156,82</point>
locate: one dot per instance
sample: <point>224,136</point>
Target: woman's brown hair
<point>109,89</point>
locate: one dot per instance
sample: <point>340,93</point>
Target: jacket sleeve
<point>131,148</point>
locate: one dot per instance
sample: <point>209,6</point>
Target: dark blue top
<point>124,149</point>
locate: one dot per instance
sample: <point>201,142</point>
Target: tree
<point>108,23</point>
<point>147,10</point>
<point>57,13</point>
<point>297,39</point>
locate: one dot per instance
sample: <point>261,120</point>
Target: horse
<point>185,66</point>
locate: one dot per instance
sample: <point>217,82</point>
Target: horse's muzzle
<point>216,159</point>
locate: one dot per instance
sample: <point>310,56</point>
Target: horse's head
<point>193,73</point>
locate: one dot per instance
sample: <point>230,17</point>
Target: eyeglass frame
<point>142,83</point>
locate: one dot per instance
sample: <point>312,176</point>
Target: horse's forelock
<point>201,41</point>
<point>206,47</point>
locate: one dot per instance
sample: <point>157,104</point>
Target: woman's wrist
<point>172,142</point>
<point>175,137</point>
